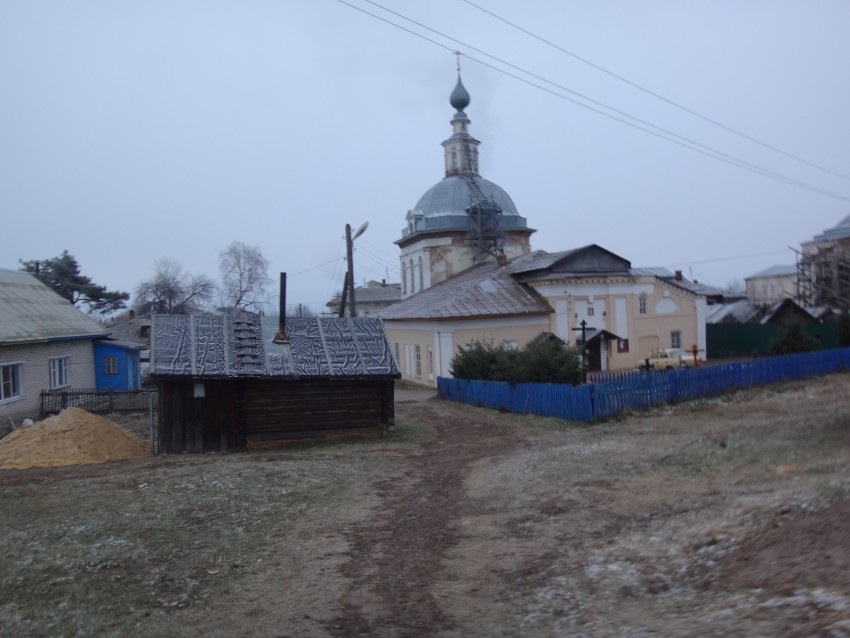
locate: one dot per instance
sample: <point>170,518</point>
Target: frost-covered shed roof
<point>30,312</point>
<point>225,346</point>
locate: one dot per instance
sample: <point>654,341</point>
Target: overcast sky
<point>131,131</point>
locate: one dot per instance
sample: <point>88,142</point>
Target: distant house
<point>772,284</point>
<point>117,365</point>
<point>587,296</point>
<point>135,329</point>
<point>45,344</point>
<point>370,299</point>
<point>222,387</point>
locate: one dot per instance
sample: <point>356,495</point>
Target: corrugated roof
<point>222,346</point>
<point>742,311</point>
<point>31,312</point>
<point>487,290</point>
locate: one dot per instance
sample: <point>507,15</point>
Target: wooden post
<point>151,423</point>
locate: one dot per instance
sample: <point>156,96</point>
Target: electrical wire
<point>658,96</point>
<point>682,141</point>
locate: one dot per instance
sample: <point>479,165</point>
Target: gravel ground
<point>722,517</point>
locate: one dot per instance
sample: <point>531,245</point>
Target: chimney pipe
<point>678,275</point>
<point>280,337</point>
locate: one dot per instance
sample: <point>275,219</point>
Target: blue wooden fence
<point>596,401</point>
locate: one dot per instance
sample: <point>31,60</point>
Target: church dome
<point>444,206</point>
<point>453,195</point>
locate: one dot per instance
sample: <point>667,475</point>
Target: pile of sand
<point>73,437</point>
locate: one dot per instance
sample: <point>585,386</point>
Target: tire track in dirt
<point>396,558</point>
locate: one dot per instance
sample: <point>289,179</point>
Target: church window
<point>642,304</point>
<point>412,281</point>
<point>421,274</point>
<point>403,279</point>
<point>676,339</point>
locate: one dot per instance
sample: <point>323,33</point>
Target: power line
<point>730,258</point>
<point>682,141</point>
<point>658,96</point>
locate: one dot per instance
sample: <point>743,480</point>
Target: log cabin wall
<point>259,413</point>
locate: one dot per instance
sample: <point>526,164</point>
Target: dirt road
<point>726,517</point>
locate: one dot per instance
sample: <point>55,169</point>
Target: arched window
<point>421,274</point>
<point>642,304</point>
<point>403,279</point>
<point>412,281</point>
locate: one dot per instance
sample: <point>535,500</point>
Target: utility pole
<point>349,277</point>
<point>349,255</point>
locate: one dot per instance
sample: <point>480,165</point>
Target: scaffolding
<point>823,276</point>
<point>485,234</point>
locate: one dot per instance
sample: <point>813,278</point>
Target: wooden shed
<point>222,387</point>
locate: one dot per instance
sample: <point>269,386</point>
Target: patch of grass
<point>90,555</point>
<point>409,429</point>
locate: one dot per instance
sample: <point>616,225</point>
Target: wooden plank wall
<point>259,413</point>
<point>276,413</point>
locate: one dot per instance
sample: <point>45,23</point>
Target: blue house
<point>117,365</point>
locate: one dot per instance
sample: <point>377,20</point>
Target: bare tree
<point>735,288</point>
<point>244,276</point>
<point>299,310</point>
<point>172,290</point>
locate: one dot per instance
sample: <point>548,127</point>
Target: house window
<point>397,357</point>
<point>676,339</point>
<point>58,373</point>
<point>430,362</point>
<point>642,304</point>
<point>110,365</point>
<point>10,381</point>
<point>418,360</point>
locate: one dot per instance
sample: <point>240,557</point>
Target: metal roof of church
<point>452,196</point>
<point>839,231</point>
<point>487,290</point>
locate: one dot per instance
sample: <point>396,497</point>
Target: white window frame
<point>642,305</point>
<point>417,357</point>
<point>110,365</point>
<point>430,363</point>
<point>11,386</point>
<point>676,339</point>
<point>58,373</point>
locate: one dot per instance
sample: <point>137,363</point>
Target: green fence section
<point>594,401</point>
<point>753,340</point>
